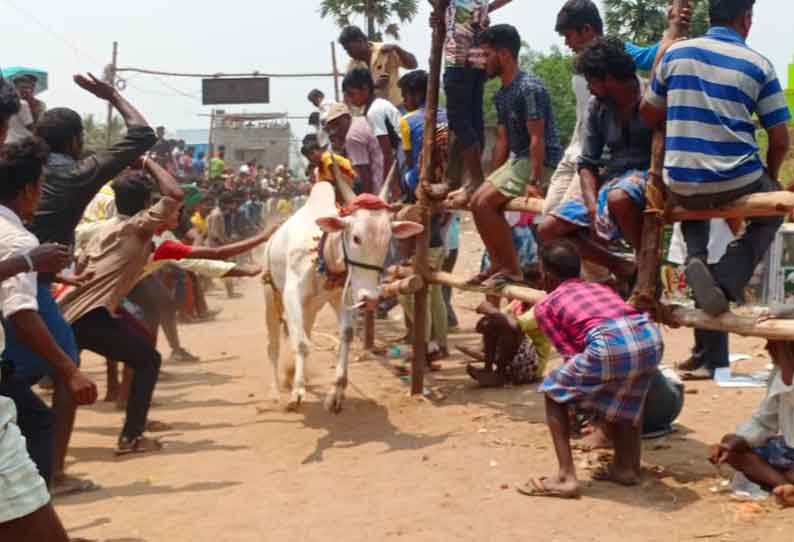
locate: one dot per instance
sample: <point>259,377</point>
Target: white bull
<point>295,289</point>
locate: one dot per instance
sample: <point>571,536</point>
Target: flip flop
<point>705,290</point>
<point>154,426</point>
<point>479,278</point>
<point>500,280</point>
<point>536,488</point>
<point>605,473</point>
<point>140,445</point>
<point>73,486</point>
<point>697,375</point>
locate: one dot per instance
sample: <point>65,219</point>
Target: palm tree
<point>383,16</point>
<point>95,134</point>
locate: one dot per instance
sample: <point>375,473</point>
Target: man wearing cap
<point>355,138</point>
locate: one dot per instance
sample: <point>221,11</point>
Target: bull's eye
<point>356,239</point>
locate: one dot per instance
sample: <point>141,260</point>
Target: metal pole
<point>111,81</point>
<point>421,259</point>
<point>336,72</point>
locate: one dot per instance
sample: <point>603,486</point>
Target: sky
<point>269,36</point>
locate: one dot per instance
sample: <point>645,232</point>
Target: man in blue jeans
<point>708,91</point>
<point>464,85</point>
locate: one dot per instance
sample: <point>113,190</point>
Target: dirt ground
<point>389,467</point>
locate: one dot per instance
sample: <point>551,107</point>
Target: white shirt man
<point>22,491</point>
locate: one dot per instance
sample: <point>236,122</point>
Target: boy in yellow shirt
<point>324,162</point>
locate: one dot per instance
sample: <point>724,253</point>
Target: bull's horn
<point>347,193</point>
<point>384,191</point>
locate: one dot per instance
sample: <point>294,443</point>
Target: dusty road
<point>389,467</point>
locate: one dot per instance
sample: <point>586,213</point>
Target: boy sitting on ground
<point>513,342</point>
<point>763,448</point>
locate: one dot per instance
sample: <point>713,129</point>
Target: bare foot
<point>553,486</point>
<point>608,473</point>
<point>785,495</point>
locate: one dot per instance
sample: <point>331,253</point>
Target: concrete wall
<point>267,146</point>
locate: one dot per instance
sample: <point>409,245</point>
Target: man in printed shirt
<point>526,151</point>
<point>381,59</point>
<point>115,258</point>
<point>707,92</point>
<point>611,353</point>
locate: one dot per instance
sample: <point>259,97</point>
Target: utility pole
<point>336,72</point>
<point>110,77</point>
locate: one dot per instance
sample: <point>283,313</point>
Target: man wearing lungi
<point>611,351</point>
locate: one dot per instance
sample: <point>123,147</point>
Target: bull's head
<point>366,234</point>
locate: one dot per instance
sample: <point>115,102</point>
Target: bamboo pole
<point>766,204</point>
<point>650,254</point>
<point>674,315</point>
<point>404,286</point>
<point>421,260</point>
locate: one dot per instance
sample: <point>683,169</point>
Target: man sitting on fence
<point>612,198</point>
<point>708,92</point>
<point>611,353</point>
<point>526,151</point>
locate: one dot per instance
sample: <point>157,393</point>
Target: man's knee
<point>619,202</point>
<point>549,230</point>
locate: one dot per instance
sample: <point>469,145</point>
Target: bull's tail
<point>274,311</point>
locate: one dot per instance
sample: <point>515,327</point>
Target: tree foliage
<point>644,21</point>
<point>554,69</point>
<point>95,133</point>
<point>385,18</point>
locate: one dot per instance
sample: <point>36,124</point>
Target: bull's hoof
<point>295,401</point>
<point>333,403</point>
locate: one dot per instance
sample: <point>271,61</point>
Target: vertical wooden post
<point>369,330</point>
<point>421,263</point>
<point>336,72</point>
<point>111,81</point>
<point>650,255</point>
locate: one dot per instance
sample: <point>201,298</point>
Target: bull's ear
<point>406,229</point>
<point>331,224</point>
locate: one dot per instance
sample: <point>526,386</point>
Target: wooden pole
<point>650,254</point>
<point>421,259</point>
<point>404,286</point>
<point>766,204</point>
<point>336,72</point>
<point>111,81</point>
<point>730,323</point>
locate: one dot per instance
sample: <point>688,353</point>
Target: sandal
<point>138,445</point>
<point>479,278</point>
<point>500,280</point>
<point>606,473</point>
<point>70,485</point>
<point>154,426</point>
<point>536,487</point>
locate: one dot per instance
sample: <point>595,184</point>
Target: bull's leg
<point>333,403</point>
<point>273,313</point>
<point>293,308</point>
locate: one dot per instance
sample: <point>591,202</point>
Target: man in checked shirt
<point>611,352</point>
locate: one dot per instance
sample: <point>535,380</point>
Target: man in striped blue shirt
<point>708,90</point>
